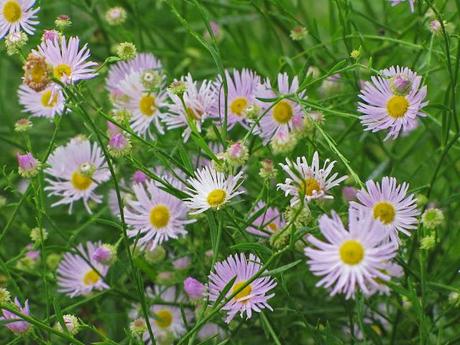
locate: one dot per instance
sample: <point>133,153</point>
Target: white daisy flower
<point>212,189</point>
<point>47,103</point>
<point>309,181</point>
<point>144,105</point>
<point>198,102</point>
<point>353,259</point>
<point>155,216</point>
<point>68,62</point>
<point>389,203</point>
<point>76,169</point>
<point>17,15</point>
<point>76,277</point>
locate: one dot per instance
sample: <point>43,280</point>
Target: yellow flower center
<point>164,318</point>
<point>60,70</point>
<point>91,278</point>
<point>46,99</point>
<point>351,252</point>
<point>384,211</point>
<point>310,185</point>
<point>282,112</point>
<point>243,293</point>
<point>80,181</point>
<point>397,106</point>
<point>239,105</point>
<point>216,197</point>
<point>147,105</point>
<point>272,227</point>
<point>12,11</point>
<point>159,216</point>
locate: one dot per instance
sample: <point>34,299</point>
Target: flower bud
<point>105,254</point>
<point>194,289</point>
<point>298,33</point>
<point>126,51</point>
<point>115,16</point>
<point>28,166</point>
<point>38,235</point>
<point>62,22</point>
<point>432,218</point>
<point>71,322</point>
<point>14,41</point>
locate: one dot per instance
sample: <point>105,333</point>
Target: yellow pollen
<point>397,106</point>
<point>309,185</point>
<point>159,216</point>
<point>216,197</point>
<point>282,112</point>
<point>46,100</point>
<point>272,227</point>
<point>384,211</point>
<point>239,105</point>
<point>164,318</point>
<point>91,278</point>
<point>147,105</point>
<point>351,252</point>
<point>60,70</point>
<point>38,73</point>
<point>80,181</point>
<point>12,11</point>
<point>243,293</point>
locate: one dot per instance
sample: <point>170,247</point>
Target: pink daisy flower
<point>198,101</point>
<point>393,101</point>
<point>142,63</point>
<point>309,181</point>
<point>253,297</point>
<point>143,103</point>
<point>282,117</point>
<point>17,15</point>
<point>350,259</point>
<point>242,87</point>
<point>76,169</point>
<point>389,203</point>
<point>155,216</point>
<point>268,222</point>
<point>69,63</point>
<point>78,275</point>
<point>46,103</point>
<point>17,327</point>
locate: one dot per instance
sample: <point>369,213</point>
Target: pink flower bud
<point>193,288</point>
<point>28,165</point>
<point>139,177</point>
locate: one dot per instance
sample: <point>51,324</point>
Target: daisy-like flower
<point>268,222</point>
<point>211,189</point>
<point>397,2</point>
<point>198,106</point>
<point>352,259</point>
<point>309,181</point>
<point>393,270</point>
<point>76,168</point>
<point>167,319</point>
<point>389,203</point>
<point>17,15</point>
<point>142,63</point>
<point>252,297</point>
<point>393,101</point>
<point>68,62</point>
<point>242,87</point>
<point>47,103</point>
<point>78,275</point>
<point>155,216</point>
<point>17,327</point>
<point>283,116</point>
<point>142,103</point>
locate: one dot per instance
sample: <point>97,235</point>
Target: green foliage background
<point>256,36</point>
